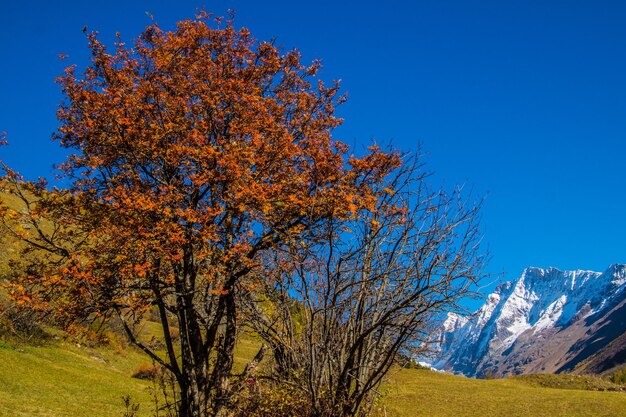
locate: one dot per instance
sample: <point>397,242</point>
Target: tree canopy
<point>195,153</point>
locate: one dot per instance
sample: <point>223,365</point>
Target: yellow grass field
<point>61,379</point>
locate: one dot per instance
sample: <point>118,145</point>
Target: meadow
<point>59,378</point>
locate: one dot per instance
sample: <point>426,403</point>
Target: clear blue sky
<point>524,102</point>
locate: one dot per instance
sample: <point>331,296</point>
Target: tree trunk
<point>190,405</point>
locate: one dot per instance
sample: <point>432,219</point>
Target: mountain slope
<point>547,321</point>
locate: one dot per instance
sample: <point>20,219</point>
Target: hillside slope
<point>64,380</point>
<point>416,393</point>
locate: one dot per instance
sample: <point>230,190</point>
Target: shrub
<point>619,377</point>
<point>270,399</point>
<point>20,324</point>
<point>409,363</point>
<point>131,409</point>
<point>174,334</point>
<point>114,340</point>
<point>145,371</point>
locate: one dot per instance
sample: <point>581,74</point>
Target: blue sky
<point>523,102</point>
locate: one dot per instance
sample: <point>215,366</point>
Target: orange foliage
<point>199,148</point>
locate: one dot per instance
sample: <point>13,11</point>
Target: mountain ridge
<point>548,320</point>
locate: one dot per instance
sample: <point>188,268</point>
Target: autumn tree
<point>196,153</point>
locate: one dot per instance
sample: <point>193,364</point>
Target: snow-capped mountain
<point>547,321</point>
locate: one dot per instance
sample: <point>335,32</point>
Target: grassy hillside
<point>66,380</point>
<point>8,244</point>
<point>425,393</point>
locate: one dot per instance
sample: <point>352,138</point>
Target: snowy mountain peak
<point>618,274</point>
<point>540,302</point>
<point>453,322</point>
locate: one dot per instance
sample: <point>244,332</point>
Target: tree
<point>197,152</point>
<point>364,291</point>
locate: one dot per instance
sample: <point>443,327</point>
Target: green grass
<point>63,380</point>
<point>415,393</point>
<point>580,382</point>
<point>247,346</point>
<point>10,247</point>
<point>60,379</point>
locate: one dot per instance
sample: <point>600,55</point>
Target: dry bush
<point>619,377</point>
<point>360,294</point>
<point>174,334</point>
<point>114,340</point>
<point>147,372</point>
<point>270,399</point>
<point>20,324</point>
